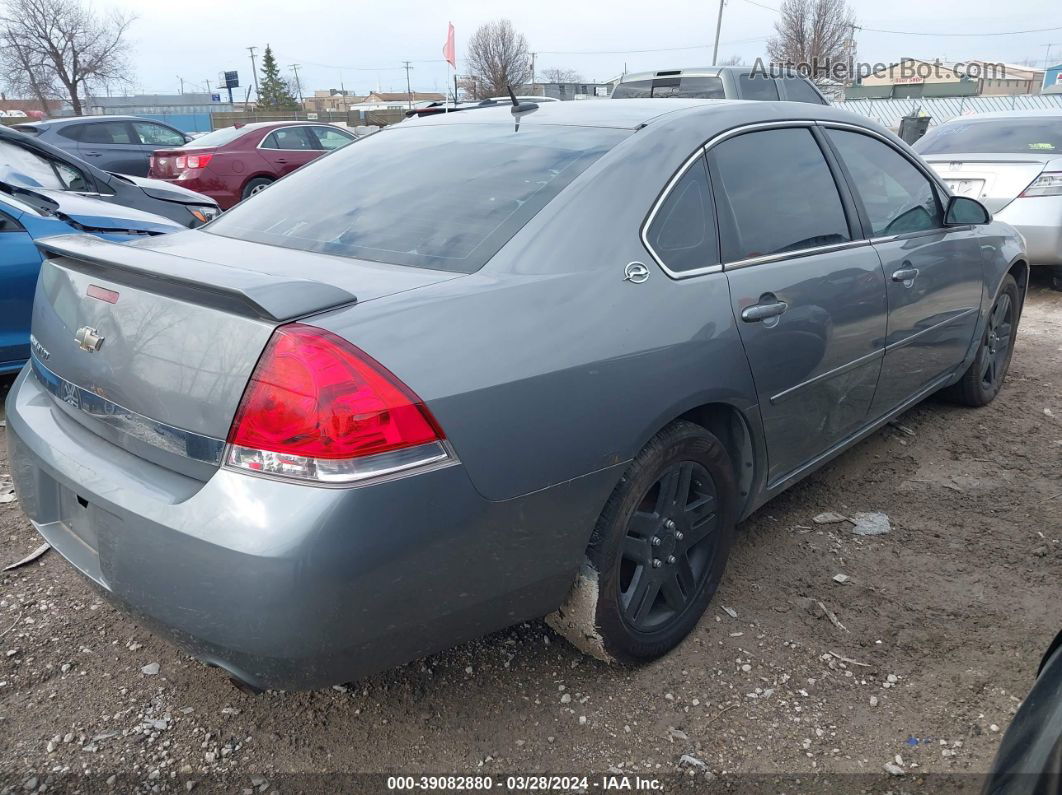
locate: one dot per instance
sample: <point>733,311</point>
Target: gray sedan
<point>484,368</point>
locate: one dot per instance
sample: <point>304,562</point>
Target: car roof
<point>1008,114</point>
<point>632,114</point>
<point>64,120</point>
<point>689,71</point>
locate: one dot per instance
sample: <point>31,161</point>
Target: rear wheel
<point>658,551</point>
<point>256,185</point>
<point>982,381</point>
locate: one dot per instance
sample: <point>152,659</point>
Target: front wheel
<point>658,551</point>
<point>982,381</point>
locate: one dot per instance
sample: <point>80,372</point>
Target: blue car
<point>27,216</point>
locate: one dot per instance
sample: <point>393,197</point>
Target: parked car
<point>437,108</point>
<point>28,215</point>
<point>121,144</point>
<point>32,163</point>
<point>232,163</point>
<point>405,397</point>
<point>1012,163</point>
<point>717,82</point>
<point>1029,759</point>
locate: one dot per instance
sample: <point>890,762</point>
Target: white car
<point>1012,164</point>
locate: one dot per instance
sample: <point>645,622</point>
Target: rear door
<point>19,264</point>
<point>807,291</point>
<point>288,148</point>
<point>934,273</point>
<point>112,146</point>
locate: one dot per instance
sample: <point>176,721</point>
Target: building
<point>913,77</point>
<point>400,100</point>
<point>187,112</point>
<point>333,99</point>
<point>32,107</point>
<point>566,91</point>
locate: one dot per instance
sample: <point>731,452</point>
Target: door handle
<point>92,154</point>
<point>905,275</point>
<point>758,312</point>
<point>282,160</point>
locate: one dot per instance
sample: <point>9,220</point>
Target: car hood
<point>94,214</point>
<point>160,189</point>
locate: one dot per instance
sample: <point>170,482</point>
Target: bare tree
<point>815,35</point>
<point>497,58</point>
<point>66,44</point>
<point>733,60</point>
<point>558,74</point>
<point>23,75</point>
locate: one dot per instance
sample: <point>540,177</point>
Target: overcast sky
<point>362,44</point>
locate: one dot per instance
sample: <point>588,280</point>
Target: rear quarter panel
<point>547,365</point>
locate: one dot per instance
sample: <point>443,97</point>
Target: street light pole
<point>718,26</point>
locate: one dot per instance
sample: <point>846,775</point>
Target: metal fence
<point>889,111</point>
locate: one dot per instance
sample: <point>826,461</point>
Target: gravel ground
<point>938,631</point>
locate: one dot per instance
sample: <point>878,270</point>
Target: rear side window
<point>108,132</point>
<point>774,194</point>
<point>897,197</point>
<point>444,196</point>
<point>682,233</point>
<point>798,89</point>
<point>72,131</point>
<point>757,86</point>
<point>289,138</point>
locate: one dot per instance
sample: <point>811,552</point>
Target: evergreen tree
<point>273,90</point>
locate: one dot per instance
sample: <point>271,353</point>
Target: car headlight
<point>204,212</point>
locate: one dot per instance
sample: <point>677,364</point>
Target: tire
<point>983,379</point>
<point>635,600</point>
<point>255,185</point>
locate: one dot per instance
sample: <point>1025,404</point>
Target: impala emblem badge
<point>635,272</point>
<point>88,339</point>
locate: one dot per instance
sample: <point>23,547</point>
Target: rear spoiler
<point>233,290</point>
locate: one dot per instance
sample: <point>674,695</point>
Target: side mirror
<point>963,210</point>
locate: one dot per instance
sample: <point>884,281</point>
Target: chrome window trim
<point>187,444</point>
<point>652,215</point>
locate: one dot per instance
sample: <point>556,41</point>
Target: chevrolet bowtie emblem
<point>88,339</point>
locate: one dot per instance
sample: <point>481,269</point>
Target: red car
<point>232,163</point>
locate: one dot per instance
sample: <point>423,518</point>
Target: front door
<point>20,262</point>
<point>808,295</point>
<point>933,272</point>
<point>112,146</point>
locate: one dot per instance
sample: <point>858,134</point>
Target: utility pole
<point>182,84</point>
<point>718,26</point>
<point>254,69</point>
<point>298,85</point>
<point>409,91</point>
<point>533,73</point>
<point>1047,55</point>
<point>208,86</point>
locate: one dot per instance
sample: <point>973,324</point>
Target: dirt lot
<point>944,620</point>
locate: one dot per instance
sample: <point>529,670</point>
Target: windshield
<point>444,196</point>
<point>27,169</point>
<point>217,138</point>
<point>1008,136</point>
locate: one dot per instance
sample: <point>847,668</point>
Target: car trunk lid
<point>151,349</point>
<point>995,180</point>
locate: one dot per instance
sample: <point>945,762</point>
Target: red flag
<point>449,52</point>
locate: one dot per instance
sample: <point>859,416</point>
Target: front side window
<point>897,197</point>
<point>329,138</point>
<point>682,233</point>
<point>157,135</point>
<point>757,86</point>
<point>379,201</point>
<point>775,193</point>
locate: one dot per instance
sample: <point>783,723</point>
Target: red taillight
<point>199,161</point>
<point>317,408</point>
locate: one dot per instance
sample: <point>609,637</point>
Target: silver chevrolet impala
<point>482,368</point>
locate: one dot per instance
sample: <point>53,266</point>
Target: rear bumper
<point>293,586</point>
<point>1039,219</point>
<point>216,189</point>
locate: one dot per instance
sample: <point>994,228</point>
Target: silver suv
<point>717,82</point>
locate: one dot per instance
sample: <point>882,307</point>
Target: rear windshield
<point>217,138</point>
<point>1008,136</point>
<point>444,196</point>
<point>688,87</point>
